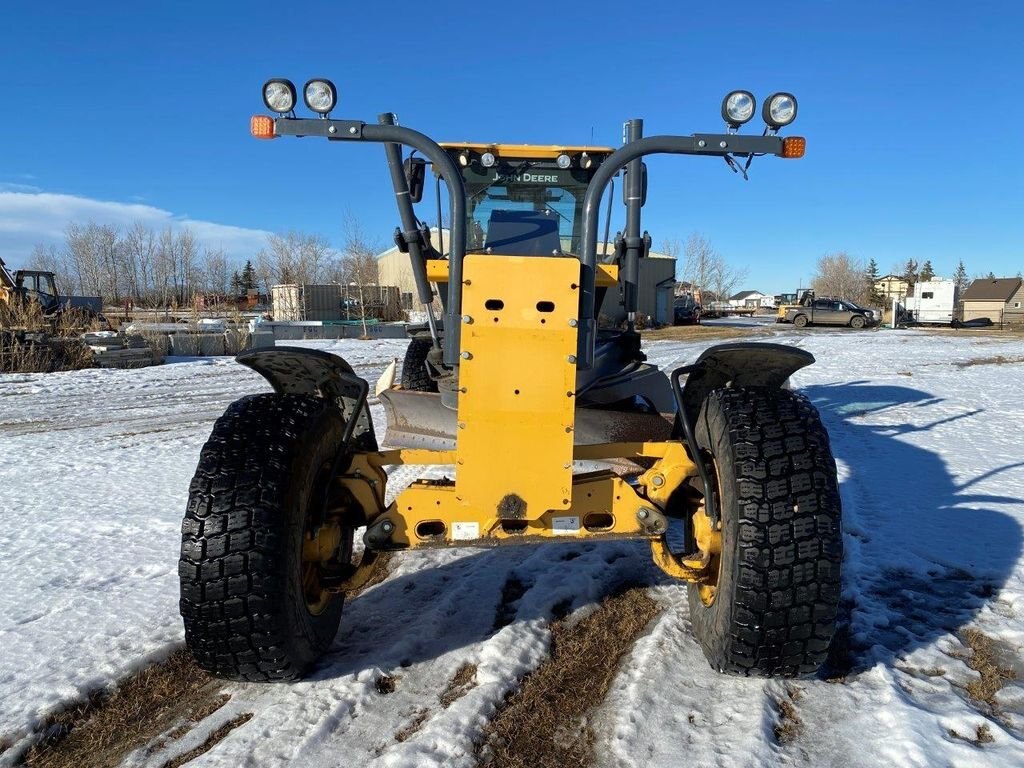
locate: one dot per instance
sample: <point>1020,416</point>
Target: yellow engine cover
<point>517,378</point>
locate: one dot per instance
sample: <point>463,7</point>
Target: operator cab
<point>37,286</point>
<point>525,200</point>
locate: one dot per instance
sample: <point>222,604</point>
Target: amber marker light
<point>262,127</point>
<point>794,146</point>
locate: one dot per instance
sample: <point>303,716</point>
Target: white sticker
<point>465,531</point>
<point>565,526</point>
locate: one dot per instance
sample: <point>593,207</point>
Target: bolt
<point>462,425</point>
<point>571,359</point>
<point>722,144</point>
<point>466,355</point>
<point>572,322</point>
<point>387,526</point>
<point>657,481</point>
<point>463,390</point>
<point>331,129</point>
<point>702,143</point>
<point>467,319</point>
<point>567,465</point>
<point>643,513</point>
<point>353,130</point>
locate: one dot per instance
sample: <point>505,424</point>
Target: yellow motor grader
<point>519,392</point>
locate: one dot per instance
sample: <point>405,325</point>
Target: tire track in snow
<point>666,686</point>
<point>435,613</point>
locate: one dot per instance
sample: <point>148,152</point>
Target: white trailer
<point>934,302</point>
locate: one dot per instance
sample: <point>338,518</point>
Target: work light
<point>563,161</point>
<point>779,110</point>
<point>738,107</point>
<point>279,95</point>
<point>586,161</point>
<point>487,159</point>
<point>320,96</point>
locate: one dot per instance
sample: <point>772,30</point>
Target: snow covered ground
<point>94,467</point>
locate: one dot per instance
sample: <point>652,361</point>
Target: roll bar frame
<point>716,145</point>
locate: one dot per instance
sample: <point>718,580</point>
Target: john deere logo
<point>535,178</point>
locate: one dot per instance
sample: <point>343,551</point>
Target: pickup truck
<point>830,312</point>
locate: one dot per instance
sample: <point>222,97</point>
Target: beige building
<point>1001,300</point>
<point>891,287</point>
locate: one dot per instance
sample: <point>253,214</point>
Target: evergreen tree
<point>927,272</point>
<point>236,284</point>
<point>960,277</point>
<point>991,275</point>
<point>248,277</point>
<point>871,278</point>
<point>910,271</point>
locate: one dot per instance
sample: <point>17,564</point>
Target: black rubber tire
<point>242,597</point>
<point>800,321</point>
<point>858,322</point>
<point>774,612</point>
<point>414,366</point>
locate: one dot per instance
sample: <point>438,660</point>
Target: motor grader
<point>520,394</point>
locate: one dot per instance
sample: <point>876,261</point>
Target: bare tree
<point>841,275</point>
<point>294,257</point>
<point>726,278</point>
<point>139,247</point>
<point>217,272</point>
<point>700,262</point>
<point>706,269</point>
<point>358,265</point>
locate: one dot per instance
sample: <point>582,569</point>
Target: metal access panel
<point>517,379</point>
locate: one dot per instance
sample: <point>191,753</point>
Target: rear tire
<point>774,610</point>
<point>245,590</point>
<point>414,366</point>
<point>800,321</point>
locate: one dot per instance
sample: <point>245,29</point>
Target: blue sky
<point>911,110</point>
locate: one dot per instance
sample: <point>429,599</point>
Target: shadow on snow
<point>924,555</point>
<point>925,552</point>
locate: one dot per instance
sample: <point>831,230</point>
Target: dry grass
<point>101,731</point>
<point>544,723</point>
<point>385,684</point>
<point>462,683</point>
<point>212,740</point>
<point>982,735</point>
<point>413,726</point>
<point>994,360</point>
<point>983,660</point>
<point>381,570</point>
<point>790,726</point>
<point>699,332</point>
<point>60,350</point>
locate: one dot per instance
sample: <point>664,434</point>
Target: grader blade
<point>420,420</point>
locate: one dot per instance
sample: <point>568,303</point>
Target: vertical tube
<point>425,294</point>
<point>634,244</point>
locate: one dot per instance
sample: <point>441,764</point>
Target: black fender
<point>744,364</point>
<point>300,371</point>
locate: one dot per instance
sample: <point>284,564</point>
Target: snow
<point>94,467</point>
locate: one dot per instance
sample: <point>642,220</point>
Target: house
<point>1001,300</point>
<point>891,287</point>
<point>748,299</point>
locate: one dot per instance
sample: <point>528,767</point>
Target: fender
<point>745,364</point>
<point>300,371</point>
